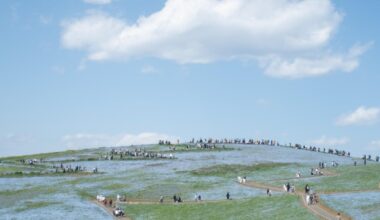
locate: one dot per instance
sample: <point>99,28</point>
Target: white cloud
<point>98,140</point>
<point>362,115</point>
<point>203,31</point>
<point>98,2</point>
<point>322,64</point>
<point>330,141</point>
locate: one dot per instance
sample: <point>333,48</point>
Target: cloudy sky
<point>83,73</point>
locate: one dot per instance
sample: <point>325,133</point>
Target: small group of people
<point>298,174</point>
<point>197,197</point>
<point>120,198</point>
<point>322,165</point>
<point>311,197</point>
<point>164,142</point>
<point>316,172</point>
<point>269,192</point>
<point>69,169</point>
<point>177,199</point>
<point>289,188</point>
<point>104,200</point>
<point>242,179</point>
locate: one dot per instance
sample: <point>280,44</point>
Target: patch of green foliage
<point>43,155</point>
<point>168,189</point>
<point>85,194</point>
<point>114,186</point>
<point>231,170</point>
<point>276,207</point>
<point>42,173</point>
<point>348,179</point>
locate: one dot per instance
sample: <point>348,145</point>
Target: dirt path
<point>167,201</point>
<point>109,210</point>
<point>319,209</point>
<point>326,173</point>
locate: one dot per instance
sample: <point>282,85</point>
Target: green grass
<point>114,186</point>
<point>233,170</point>
<point>349,178</point>
<point>275,207</point>
<point>44,155</point>
<point>85,194</point>
<point>42,173</point>
<point>169,188</point>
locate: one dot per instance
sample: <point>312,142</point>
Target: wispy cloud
<point>81,140</point>
<point>315,65</point>
<point>288,38</point>
<point>98,2</point>
<point>362,115</point>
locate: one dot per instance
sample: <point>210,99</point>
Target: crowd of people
<point>68,168</point>
<point>320,150</point>
<point>270,142</point>
<point>234,141</point>
<point>31,161</point>
<point>121,154</point>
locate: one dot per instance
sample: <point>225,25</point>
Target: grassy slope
<point>349,178</point>
<point>44,155</point>
<point>276,207</point>
<point>236,169</point>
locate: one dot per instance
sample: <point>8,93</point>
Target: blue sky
<point>96,72</point>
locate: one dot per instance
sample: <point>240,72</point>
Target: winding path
<point>319,209</point>
<point>109,210</point>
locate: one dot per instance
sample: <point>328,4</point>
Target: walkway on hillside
<point>109,210</point>
<point>319,209</point>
